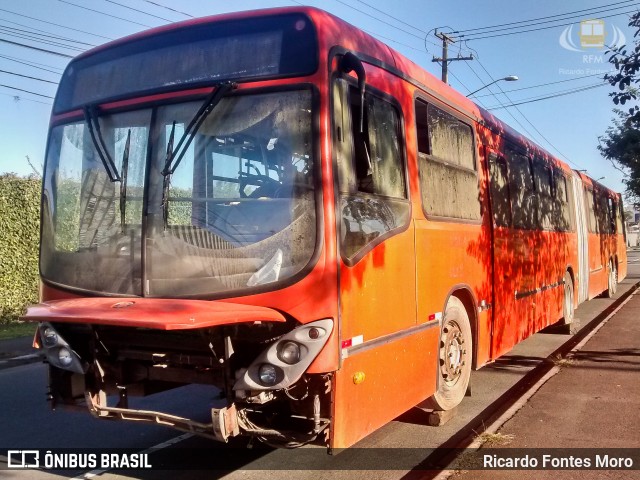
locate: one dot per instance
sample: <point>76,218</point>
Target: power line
<point>544,84</point>
<point>34,31</point>
<point>376,18</point>
<point>55,24</point>
<point>140,11</point>
<point>31,47</point>
<point>104,13</point>
<point>18,98</point>
<point>169,8</point>
<point>559,94</point>
<point>526,130</point>
<point>44,33</point>
<point>482,34</point>
<point>27,91</point>
<point>38,39</point>
<point>27,76</point>
<point>33,64</point>
<point>542,18</point>
<point>386,14</point>
<point>527,119</point>
<point>541,28</point>
<point>374,34</point>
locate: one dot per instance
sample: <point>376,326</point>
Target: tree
<point>621,142</point>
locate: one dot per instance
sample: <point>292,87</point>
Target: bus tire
<point>612,282</point>
<point>454,357</point>
<point>567,306</point>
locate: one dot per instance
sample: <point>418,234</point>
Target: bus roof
<point>335,32</point>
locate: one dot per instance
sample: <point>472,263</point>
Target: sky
<point>551,53</point>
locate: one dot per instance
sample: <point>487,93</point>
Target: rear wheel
<point>455,353</point>
<point>612,283</point>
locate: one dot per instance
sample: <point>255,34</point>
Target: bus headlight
<point>64,356</point>
<point>49,337</point>
<point>289,352</point>
<point>268,375</point>
<point>59,353</point>
<point>284,361</point>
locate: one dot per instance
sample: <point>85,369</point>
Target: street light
<point>510,78</point>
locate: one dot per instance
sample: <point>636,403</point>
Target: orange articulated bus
<point>279,206</point>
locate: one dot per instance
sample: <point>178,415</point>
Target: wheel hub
<point>452,352</point>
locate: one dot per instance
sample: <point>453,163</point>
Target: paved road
<point>26,421</point>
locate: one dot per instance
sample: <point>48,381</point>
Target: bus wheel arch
<point>455,354</point>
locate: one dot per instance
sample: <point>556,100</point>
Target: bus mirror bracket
<point>351,63</point>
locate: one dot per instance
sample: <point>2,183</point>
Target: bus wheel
<point>612,284</point>
<point>567,305</point>
<point>455,353</point>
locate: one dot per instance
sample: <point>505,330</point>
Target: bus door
<point>380,354</point>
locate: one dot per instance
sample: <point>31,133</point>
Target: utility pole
<point>446,40</point>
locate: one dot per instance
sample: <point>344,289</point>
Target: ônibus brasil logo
<point>592,34</point>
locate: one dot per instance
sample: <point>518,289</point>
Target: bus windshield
<point>238,212</point>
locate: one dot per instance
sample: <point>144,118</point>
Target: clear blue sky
<point>570,124</point>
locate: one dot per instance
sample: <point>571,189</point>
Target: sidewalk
<point>593,402</point>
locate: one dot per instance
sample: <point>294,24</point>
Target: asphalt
<point>591,403</point>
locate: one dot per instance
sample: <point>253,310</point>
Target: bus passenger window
<point>500,198</point>
<point>547,215</point>
<point>590,203</point>
<point>446,159</point>
<point>563,219</point>
<point>523,194</point>
<point>613,216</point>
<point>603,214</point>
<point>371,179</point>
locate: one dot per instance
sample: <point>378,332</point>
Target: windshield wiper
<point>123,183</point>
<point>110,167</point>
<point>174,157</point>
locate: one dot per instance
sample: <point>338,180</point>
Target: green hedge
<point>20,230</point>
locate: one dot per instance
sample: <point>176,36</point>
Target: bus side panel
<point>556,252</point>
<point>376,385</point>
<point>450,256</point>
<point>597,266</point>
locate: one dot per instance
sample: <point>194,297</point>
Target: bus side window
<point>620,221</point>
<point>542,177</point>
<point>563,208</point>
<point>500,196</point>
<point>590,203</point>
<point>602,213</point>
<point>523,194</point>
<point>371,178</point>
<point>446,159</point>
<point>613,217</point>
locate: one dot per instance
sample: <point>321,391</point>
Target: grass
<point>562,362</point>
<point>17,330</point>
<point>495,439</point>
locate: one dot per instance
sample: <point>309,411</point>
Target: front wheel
<point>455,354</point>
